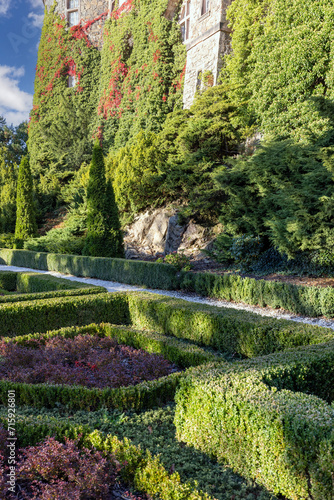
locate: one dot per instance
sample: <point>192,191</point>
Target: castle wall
<point>87,11</point>
<point>209,37</point>
<point>209,41</point>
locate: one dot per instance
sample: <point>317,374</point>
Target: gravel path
<point>112,286</point>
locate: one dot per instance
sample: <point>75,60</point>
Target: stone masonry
<point>207,42</point>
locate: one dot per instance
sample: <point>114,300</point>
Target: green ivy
<point>142,69</point>
<point>60,130</point>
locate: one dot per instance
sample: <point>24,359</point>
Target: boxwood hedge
<point>226,330</point>
<point>250,416</point>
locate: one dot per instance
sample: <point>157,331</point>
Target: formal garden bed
<point>86,360</point>
<point>244,409</point>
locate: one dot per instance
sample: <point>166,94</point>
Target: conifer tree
<point>25,212</point>
<point>104,238</point>
<point>115,236</point>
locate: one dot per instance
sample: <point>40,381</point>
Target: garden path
<point>112,287</point>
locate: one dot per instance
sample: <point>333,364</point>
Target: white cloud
<point>36,4</point>
<point>15,104</point>
<point>4,7</point>
<point>36,19</point>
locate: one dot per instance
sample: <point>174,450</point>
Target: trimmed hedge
<point>226,330</point>
<point>40,316</point>
<point>147,394</point>
<point>8,280</point>
<point>149,274</point>
<point>308,300</point>
<point>142,471</point>
<point>36,282</point>
<point>184,354</point>
<point>49,295</point>
<point>247,415</point>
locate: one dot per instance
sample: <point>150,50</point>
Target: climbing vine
<point>142,70</point>
<point>60,122</point>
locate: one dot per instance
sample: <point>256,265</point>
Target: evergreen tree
<point>25,213</point>
<point>104,238</point>
<point>115,236</point>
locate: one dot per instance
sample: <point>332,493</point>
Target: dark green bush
<point>8,280</point>
<point>56,241</point>
<point>25,226</point>
<point>7,240</point>
<point>248,416</point>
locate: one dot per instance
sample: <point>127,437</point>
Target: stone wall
<point>88,10</point>
<point>209,41</point>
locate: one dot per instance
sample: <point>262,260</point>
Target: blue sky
<point>20,30</point>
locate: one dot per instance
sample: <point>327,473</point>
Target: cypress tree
<point>104,238</point>
<point>115,236</point>
<point>25,226</point>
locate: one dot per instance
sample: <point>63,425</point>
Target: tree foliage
<point>103,238</point>
<point>282,56</point>
<point>13,146</point>
<point>283,193</point>
<point>25,226</point>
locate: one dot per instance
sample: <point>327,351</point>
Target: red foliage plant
<point>86,360</point>
<point>62,471</point>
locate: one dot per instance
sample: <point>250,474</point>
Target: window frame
<point>70,11</point>
<point>184,20</point>
<point>205,9</point>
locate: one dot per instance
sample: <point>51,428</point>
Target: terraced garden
<point>161,398</point>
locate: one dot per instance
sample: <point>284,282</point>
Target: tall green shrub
<point>25,212</point>
<point>104,237</point>
<point>115,236</point>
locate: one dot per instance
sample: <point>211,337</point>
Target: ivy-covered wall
<point>131,85</point>
<point>142,71</point>
<point>61,118</point>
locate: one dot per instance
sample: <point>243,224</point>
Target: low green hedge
<point>40,316</point>
<point>8,280</point>
<point>134,272</point>
<point>281,439</point>
<point>147,394</point>
<point>182,353</point>
<point>308,300</point>
<point>36,286</point>
<point>142,471</point>
<point>6,299</point>
<point>226,330</point>
<point>27,282</point>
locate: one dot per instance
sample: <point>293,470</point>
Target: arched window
<point>205,7</point>
<point>73,12</point>
<point>185,20</point>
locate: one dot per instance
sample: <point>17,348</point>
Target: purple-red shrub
<point>86,360</point>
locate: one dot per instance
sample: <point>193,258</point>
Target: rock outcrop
<point>158,232</point>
